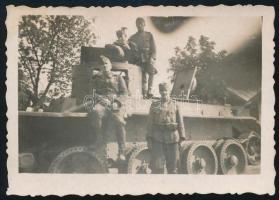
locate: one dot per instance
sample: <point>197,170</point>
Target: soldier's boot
<point>121,152</point>
<point>157,169</point>
<point>144,94</point>
<point>121,159</point>
<point>99,145</point>
<point>144,84</point>
<point>149,94</point>
<point>172,157</point>
<point>158,165</point>
<point>121,138</point>
<point>150,85</point>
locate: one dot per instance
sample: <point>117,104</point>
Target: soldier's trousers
<point>100,118</point>
<point>164,154</point>
<point>147,83</point>
<point>148,72</point>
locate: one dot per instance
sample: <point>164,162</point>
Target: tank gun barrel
<point>76,108</point>
<point>89,103</point>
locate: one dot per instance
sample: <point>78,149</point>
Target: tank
<point>61,140</point>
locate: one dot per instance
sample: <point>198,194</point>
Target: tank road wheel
<point>123,166</point>
<point>139,161</point>
<point>253,148</point>
<point>232,157</point>
<point>78,160</point>
<point>199,158</point>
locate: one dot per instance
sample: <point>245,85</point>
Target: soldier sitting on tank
<point>144,53</point>
<point>122,38</point>
<point>122,42</point>
<point>165,132</point>
<point>108,89</point>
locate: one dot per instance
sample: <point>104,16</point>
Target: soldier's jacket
<point>145,46</point>
<point>109,84</point>
<point>165,123</point>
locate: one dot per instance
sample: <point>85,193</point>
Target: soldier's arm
<point>180,124</point>
<point>152,47</point>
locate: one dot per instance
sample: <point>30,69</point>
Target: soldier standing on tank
<point>165,132</point>
<point>107,89</point>
<point>144,51</point>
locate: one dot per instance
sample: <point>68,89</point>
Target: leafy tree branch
<point>48,48</point>
<point>202,55</point>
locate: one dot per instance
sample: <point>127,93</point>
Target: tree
<point>48,48</point>
<point>208,62</point>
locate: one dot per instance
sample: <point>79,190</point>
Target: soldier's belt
<point>167,126</point>
<point>103,102</point>
<point>108,102</point>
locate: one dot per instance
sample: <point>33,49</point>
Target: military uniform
<point>144,50</point>
<point>108,87</point>
<point>165,131</point>
<point>124,50</point>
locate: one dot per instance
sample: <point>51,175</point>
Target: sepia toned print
<point>156,93</point>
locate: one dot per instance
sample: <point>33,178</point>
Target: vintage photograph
<point>201,115</point>
<point>143,94</point>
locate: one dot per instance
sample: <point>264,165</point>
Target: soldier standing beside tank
<point>144,51</point>
<point>165,132</point>
<point>108,88</point>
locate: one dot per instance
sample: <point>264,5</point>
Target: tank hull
<point>45,135</point>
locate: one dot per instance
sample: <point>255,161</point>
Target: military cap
<point>139,19</point>
<point>104,59</point>
<point>164,86</point>
<point>124,28</point>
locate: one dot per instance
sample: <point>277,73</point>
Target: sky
<point>229,33</point>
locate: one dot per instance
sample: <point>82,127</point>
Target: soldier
<point>144,50</point>
<point>121,39</point>
<point>165,132</point>
<point>122,42</point>
<point>108,88</point>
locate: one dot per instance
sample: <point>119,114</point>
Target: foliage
<point>201,54</point>
<point>48,48</point>
<point>24,97</point>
